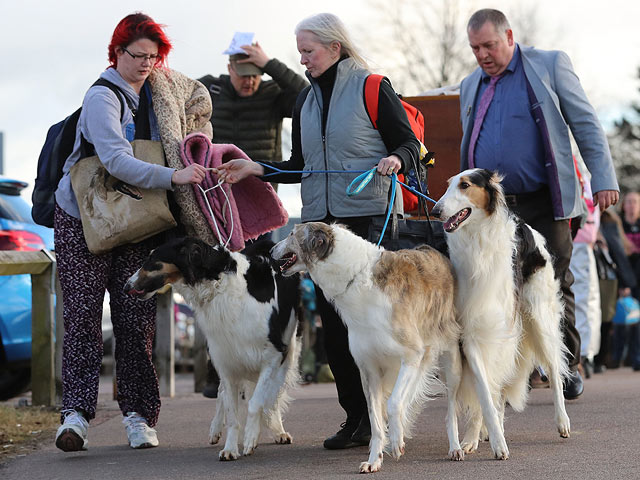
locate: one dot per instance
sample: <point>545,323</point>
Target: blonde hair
<point>328,28</point>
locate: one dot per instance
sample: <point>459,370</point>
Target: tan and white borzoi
<point>249,314</point>
<point>509,305</point>
<point>399,310</point>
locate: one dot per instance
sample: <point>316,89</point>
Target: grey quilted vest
<point>350,143</point>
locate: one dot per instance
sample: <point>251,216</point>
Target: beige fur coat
<point>182,106</point>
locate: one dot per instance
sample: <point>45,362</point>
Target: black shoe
<point>210,390</point>
<point>573,386</point>
<point>342,439</point>
<point>362,435</point>
<point>587,366</point>
<point>599,368</point>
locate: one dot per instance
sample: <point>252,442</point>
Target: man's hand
<point>256,55</point>
<point>606,198</point>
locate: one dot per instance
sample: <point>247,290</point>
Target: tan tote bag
<point>114,213</point>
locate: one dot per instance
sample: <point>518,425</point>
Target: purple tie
<point>485,101</point>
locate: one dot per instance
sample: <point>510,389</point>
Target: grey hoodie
<point>100,124</point>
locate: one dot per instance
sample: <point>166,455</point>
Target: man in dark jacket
<point>248,111</point>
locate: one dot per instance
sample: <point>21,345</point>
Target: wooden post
<point>59,333</point>
<point>200,357</point>
<point>40,265</point>
<point>165,344</point>
<point>42,339</point>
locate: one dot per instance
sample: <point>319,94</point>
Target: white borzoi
<point>400,314</point>
<point>509,304</point>
<point>249,315</point>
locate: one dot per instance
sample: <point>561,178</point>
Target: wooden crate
<point>443,134</point>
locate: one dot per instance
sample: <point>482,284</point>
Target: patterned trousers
<point>84,277</point>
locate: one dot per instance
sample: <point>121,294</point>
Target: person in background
<point>247,110</point>
<point>332,131</point>
<point>631,228</point>
<point>629,332</point>
<point>585,287</point>
<point>138,47</point>
<point>616,278</point>
<point>516,111</point>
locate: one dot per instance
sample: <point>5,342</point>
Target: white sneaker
<point>139,433</point>
<point>72,434</point>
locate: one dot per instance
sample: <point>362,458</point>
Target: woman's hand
<point>194,173</point>
<point>238,169</point>
<point>389,165</point>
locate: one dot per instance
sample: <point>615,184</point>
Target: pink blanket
<point>253,204</point>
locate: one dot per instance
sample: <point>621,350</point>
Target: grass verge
<point>23,428</point>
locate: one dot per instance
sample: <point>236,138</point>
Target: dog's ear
<point>496,178</point>
<point>496,195</point>
<point>192,253</point>
<point>319,243</point>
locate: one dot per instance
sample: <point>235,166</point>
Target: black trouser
<point>336,343</point>
<point>536,209</point>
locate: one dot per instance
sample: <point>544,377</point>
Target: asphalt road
<point>604,443</point>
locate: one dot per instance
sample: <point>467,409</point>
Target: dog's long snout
<point>436,211</point>
<point>130,286</point>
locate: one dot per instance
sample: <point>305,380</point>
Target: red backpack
<point>416,120</point>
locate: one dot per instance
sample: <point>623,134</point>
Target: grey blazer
<point>563,105</point>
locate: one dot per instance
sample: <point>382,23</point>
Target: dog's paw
<point>500,450</point>
<point>397,449</point>
<point>283,438</point>
<point>456,455</point>
<point>227,455</point>
<point>248,450</point>
<point>564,426</point>
<point>366,467</point>
<point>469,447</point>
<point>214,437</point>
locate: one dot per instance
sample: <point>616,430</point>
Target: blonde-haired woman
<point>332,131</point>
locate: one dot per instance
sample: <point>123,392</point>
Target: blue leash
<point>364,178</point>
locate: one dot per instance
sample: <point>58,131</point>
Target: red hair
<point>134,27</point>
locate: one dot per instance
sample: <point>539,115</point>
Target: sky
<point>51,51</point>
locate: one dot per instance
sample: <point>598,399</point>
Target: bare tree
<point>423,45</point>
<point>624,142</point>
<point>419,44</point>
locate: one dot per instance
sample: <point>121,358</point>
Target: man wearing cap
<point>248,111</point>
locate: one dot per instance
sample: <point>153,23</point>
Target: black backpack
<point>55,151</point>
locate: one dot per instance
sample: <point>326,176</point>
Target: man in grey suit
<point>516,112</point>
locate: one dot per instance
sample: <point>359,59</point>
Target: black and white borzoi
<point>249,314</point>
<point>399,310</point>
<point>509,305</point>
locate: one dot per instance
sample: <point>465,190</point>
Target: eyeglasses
<point>141,58</point>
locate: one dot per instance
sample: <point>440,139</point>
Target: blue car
<point>17,232</point>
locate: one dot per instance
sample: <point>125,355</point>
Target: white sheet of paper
<point>239,39</point>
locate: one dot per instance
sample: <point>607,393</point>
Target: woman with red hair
<point>128,102</point>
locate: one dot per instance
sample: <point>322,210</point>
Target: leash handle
<point>394,180</point>
<point>364,179</point>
